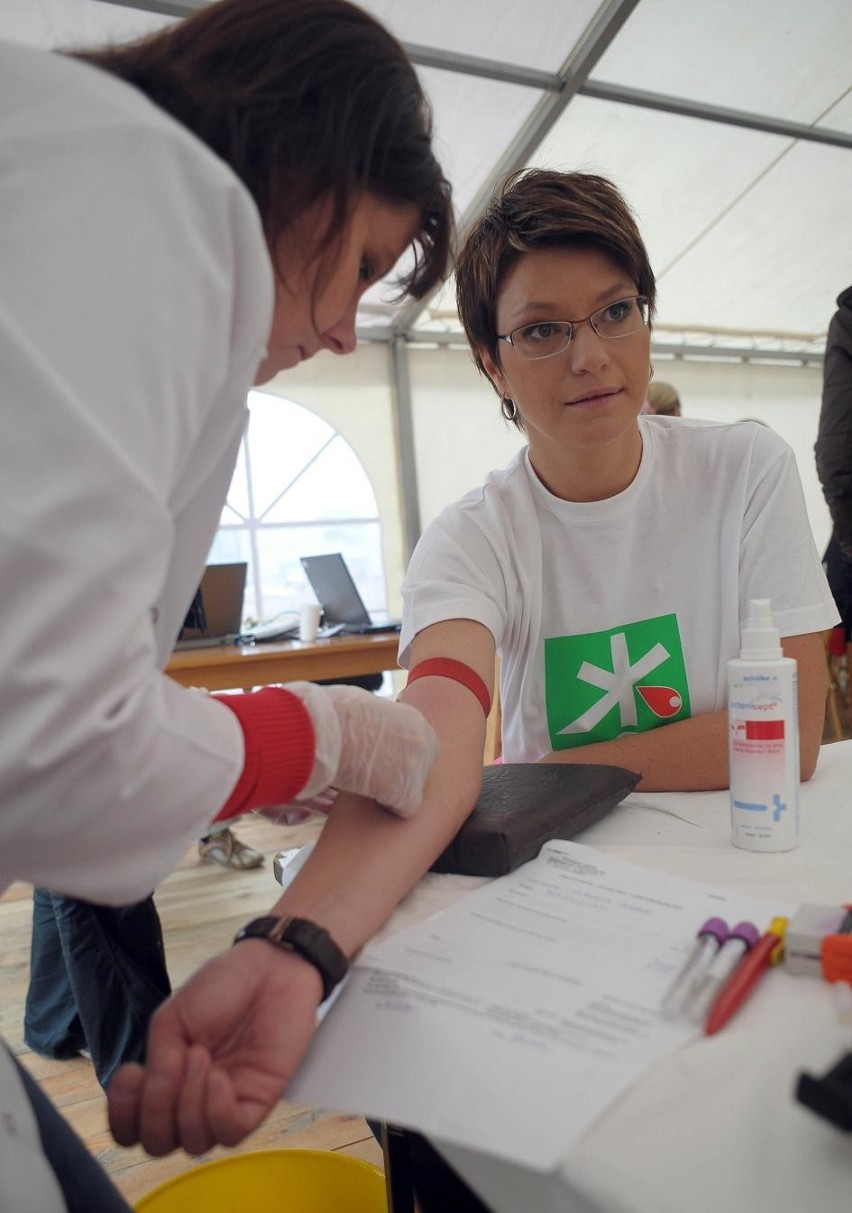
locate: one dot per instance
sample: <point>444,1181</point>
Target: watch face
<point>310,941</point>
<point>299,930</point>
<point>317,941</point>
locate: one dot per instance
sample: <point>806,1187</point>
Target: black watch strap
<point>313,943</point>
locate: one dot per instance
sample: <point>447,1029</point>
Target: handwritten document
<point>508,1021</point>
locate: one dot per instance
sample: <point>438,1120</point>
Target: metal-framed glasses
<point>548,337</point>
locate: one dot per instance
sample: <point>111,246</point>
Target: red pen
<point>767,951</point>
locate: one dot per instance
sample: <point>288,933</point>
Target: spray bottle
<point>763,738</point>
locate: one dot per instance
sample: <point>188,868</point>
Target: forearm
<point>692,755</point>
<point>366,859</point>
<point>687,756</point>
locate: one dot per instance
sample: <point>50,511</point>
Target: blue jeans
<point>97,974</point>
<point>838,570</point>
<point>84,1184</point>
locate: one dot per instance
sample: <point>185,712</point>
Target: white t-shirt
<point>137,297</point>
<point>615,616</point>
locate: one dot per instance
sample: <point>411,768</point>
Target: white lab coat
<point>136,298</point>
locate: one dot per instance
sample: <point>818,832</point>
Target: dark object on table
<point>831,1095</point>
<point>416,1172</point>
<point>522,805</point>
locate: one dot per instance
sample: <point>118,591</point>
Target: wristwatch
<point>313,943</point>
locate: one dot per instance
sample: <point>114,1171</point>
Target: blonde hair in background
<point>663,399</point>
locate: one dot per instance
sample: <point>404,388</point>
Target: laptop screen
<point>336,592</point>
<point>217,611</point>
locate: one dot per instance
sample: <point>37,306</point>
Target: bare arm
<point>366,860</point>
<point>222,1049</point>
<point>692,755</point>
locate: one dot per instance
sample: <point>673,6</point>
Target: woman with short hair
<point>611,564</point>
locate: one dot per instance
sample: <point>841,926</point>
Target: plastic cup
<point>267,1181</point>
<point>309,620</point>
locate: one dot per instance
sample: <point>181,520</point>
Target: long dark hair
<point>303,99</point>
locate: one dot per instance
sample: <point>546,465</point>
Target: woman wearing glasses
<point>610,564</point>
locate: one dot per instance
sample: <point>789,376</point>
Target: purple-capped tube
<point>701,997</point>
<point>708,940</point>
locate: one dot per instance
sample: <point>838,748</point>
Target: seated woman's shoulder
<point>742,430</point>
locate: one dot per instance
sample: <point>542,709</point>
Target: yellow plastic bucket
<point>272,1181</point>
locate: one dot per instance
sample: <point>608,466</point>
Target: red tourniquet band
<point>279,749</point>
<point>446,667</point>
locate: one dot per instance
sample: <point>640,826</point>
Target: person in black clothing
<point>833,450</point>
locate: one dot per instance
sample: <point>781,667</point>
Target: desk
<point>228,666</point>
<point>713,1128</point>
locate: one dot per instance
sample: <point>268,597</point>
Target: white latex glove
<point>368,745</point>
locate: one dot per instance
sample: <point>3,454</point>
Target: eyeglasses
<point>549,337</point>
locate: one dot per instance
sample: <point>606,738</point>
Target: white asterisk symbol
<point>617,684</point>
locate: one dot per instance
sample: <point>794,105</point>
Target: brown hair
<point>303,99</point>
<point>663,399</point>
<point>539,209</point>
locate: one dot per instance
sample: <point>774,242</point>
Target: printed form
<point>508,1021</point>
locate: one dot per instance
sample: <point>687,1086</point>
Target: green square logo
<point>624,680</point>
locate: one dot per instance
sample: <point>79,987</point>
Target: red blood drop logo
<point>663,701</point>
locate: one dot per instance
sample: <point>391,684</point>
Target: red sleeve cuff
<point>279,749</point>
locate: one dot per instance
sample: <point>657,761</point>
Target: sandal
<point>225,848</point>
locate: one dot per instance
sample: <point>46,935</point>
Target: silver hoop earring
<point>508,408</point>
<point>651,374</point>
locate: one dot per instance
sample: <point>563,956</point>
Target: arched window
<point>298,490</point>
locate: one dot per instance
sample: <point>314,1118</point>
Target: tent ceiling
<point>778,57</point>
<point>748,231</point>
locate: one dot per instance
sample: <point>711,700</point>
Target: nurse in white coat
<point>185,218</point>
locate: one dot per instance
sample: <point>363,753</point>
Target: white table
<point>714,1127</point>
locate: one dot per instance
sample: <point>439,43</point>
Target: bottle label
<point>764,767</point>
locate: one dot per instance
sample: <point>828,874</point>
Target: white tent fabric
<point>748,230</point>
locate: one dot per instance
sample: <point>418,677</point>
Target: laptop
<point>337,594</point>
<point>216,614</point>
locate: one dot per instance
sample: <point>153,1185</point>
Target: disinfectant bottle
<point>763,738</point>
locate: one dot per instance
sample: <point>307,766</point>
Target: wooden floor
<point>201,906</point>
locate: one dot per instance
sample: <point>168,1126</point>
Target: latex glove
<point>220,1052</point>
<point>369,745</point>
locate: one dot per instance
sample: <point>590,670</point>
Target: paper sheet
<point>510,1020</point>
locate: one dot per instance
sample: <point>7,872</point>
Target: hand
<point>220,1052</point>
<point>368,745</point>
